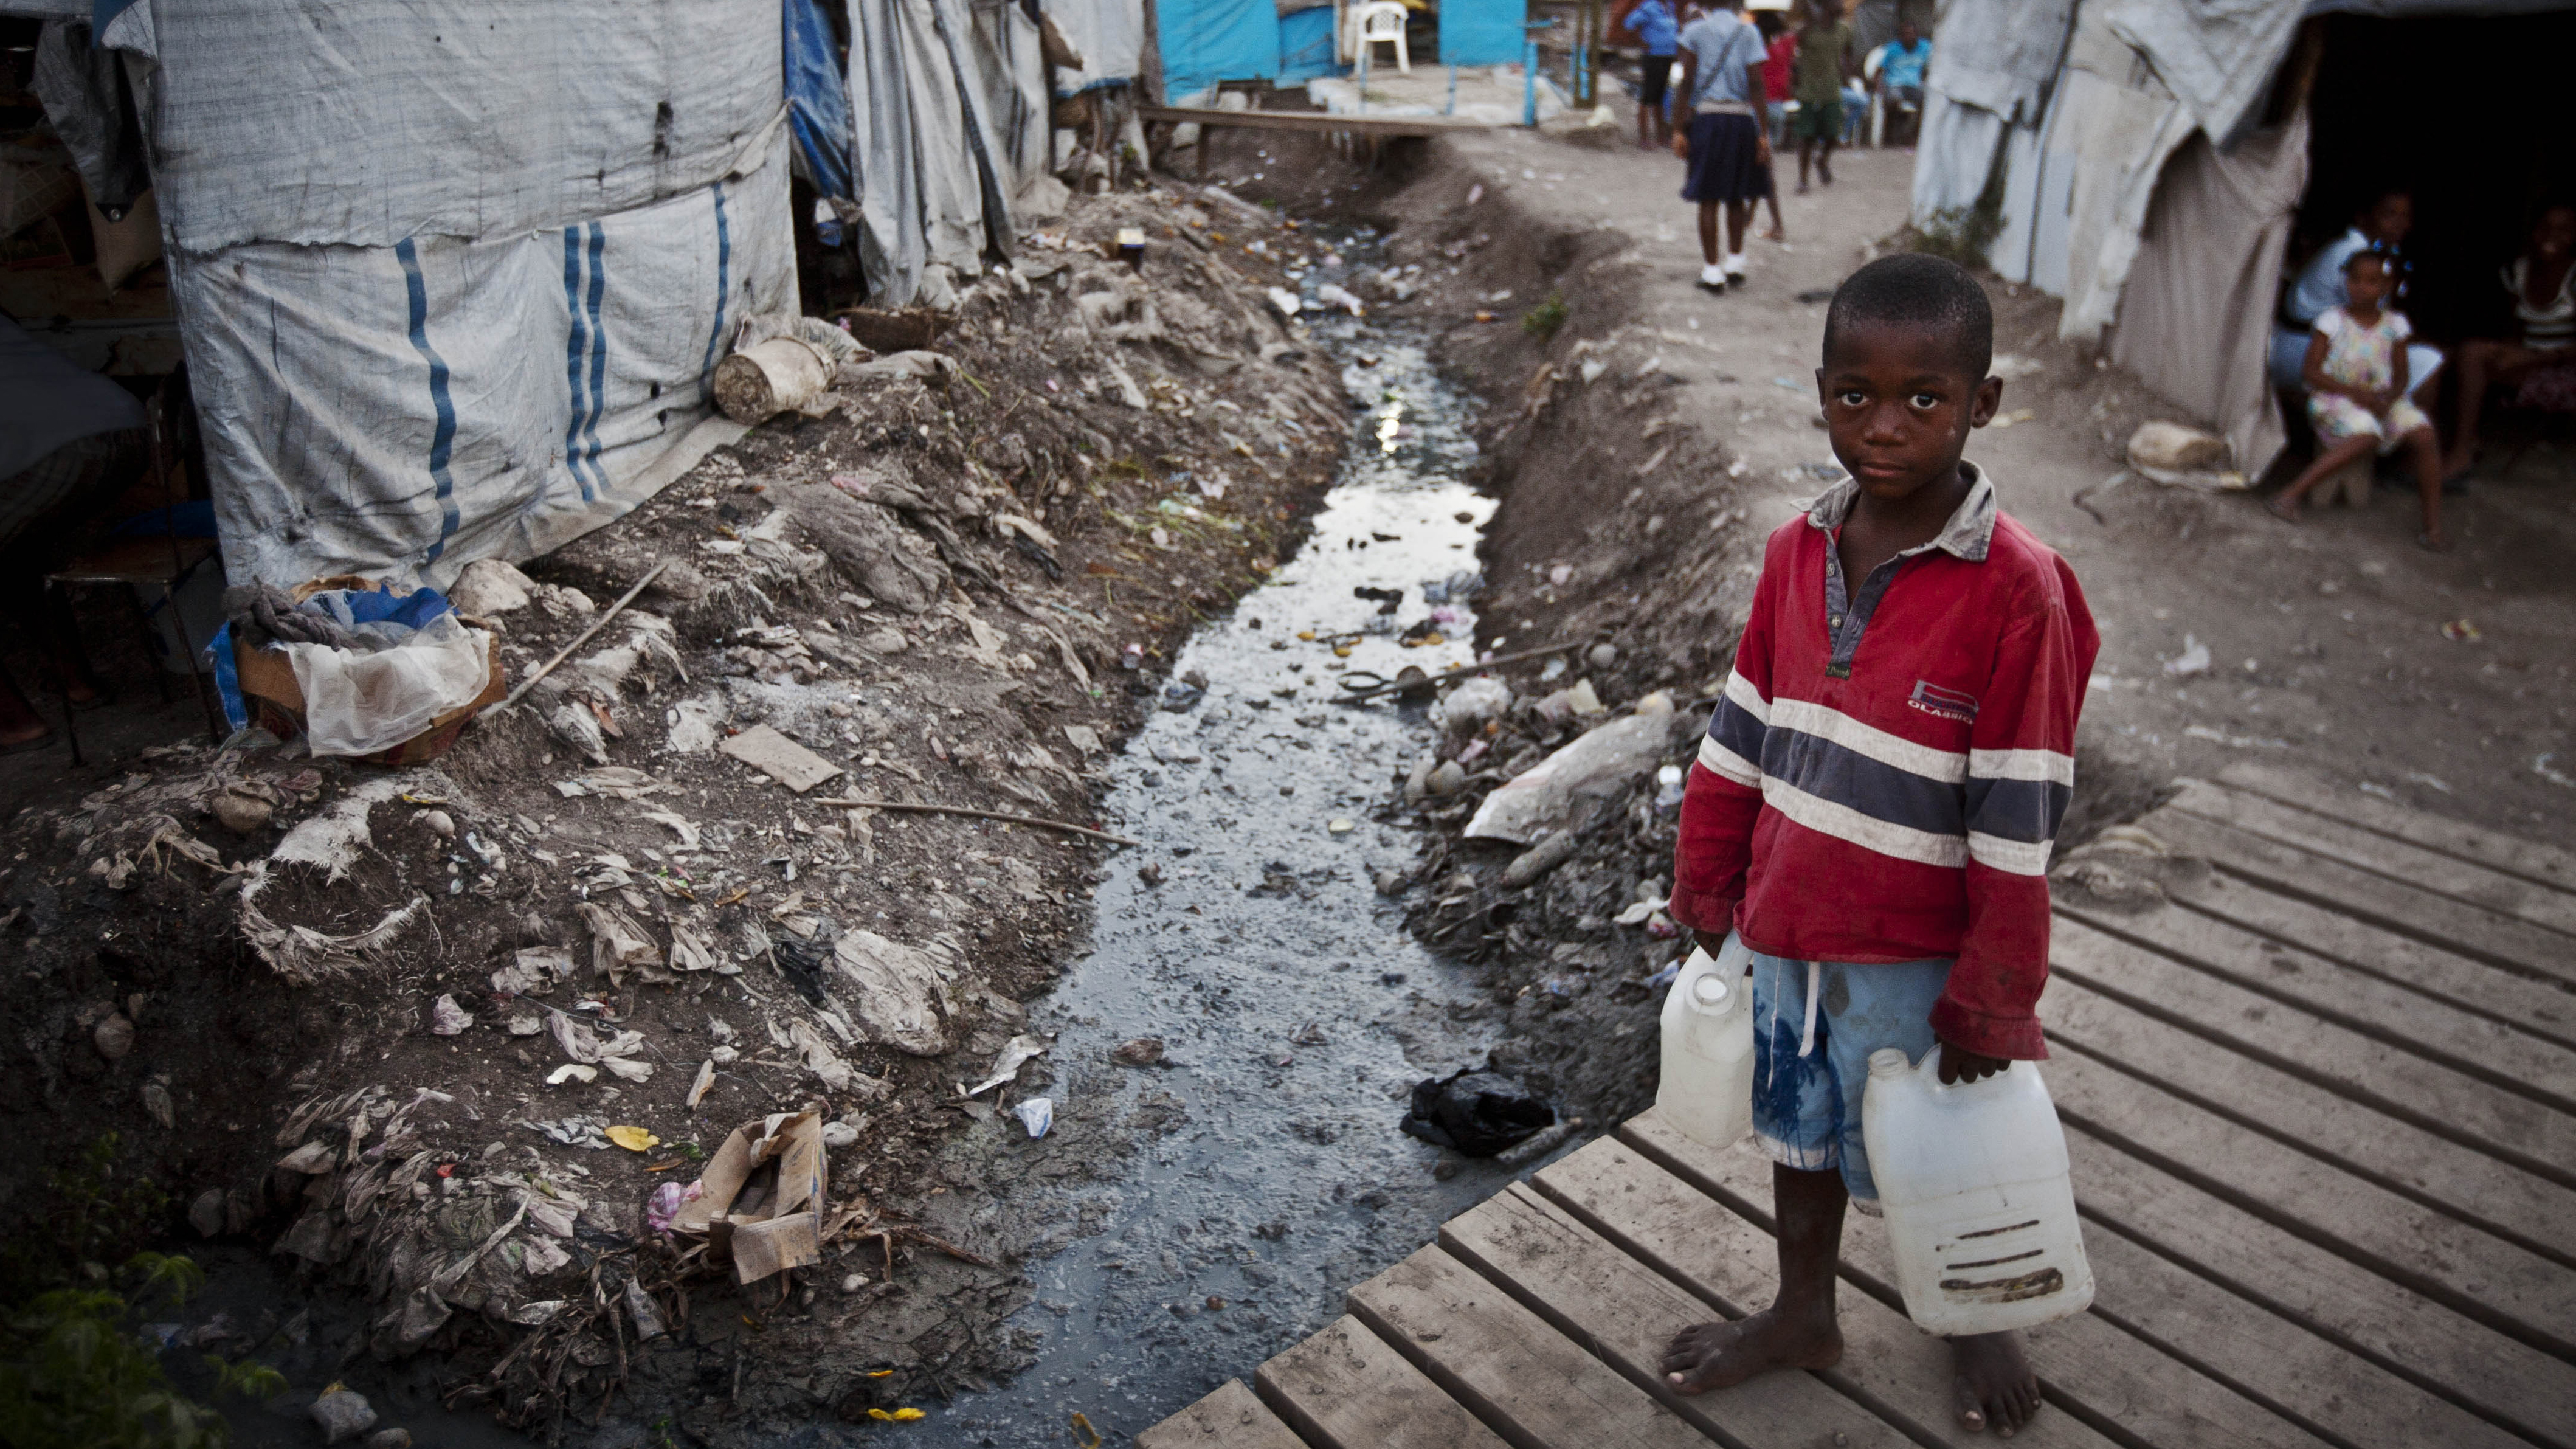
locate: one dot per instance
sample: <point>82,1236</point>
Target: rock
<point>113,1037</point>
<point>489,588</point>
<point>1603,656</point>
<point>241,814</point>
<point>1144,1051</point>
<point>884,641</point>
<point>343,1415</point>
<point>206,1213</point>
<point>446,1018</point>
<point>1447,780</point>
<point>1390,882</point>
<point>837,1135</point>
<point>156,1100</point>
<point>389,1439</point>
<point>439,823</point>
<point>2175,448</point>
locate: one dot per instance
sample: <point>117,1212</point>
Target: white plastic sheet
<point>401,411</point>
<point>1108,34</point>
<point>369,122</point>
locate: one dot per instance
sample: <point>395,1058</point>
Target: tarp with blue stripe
<point>455,273</point>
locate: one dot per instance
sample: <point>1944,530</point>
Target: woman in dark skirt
<point>1726,144</point>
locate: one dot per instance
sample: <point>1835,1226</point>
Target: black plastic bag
<point>1476,1113</point>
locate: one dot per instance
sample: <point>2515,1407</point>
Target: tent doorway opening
<point>2466,113</point>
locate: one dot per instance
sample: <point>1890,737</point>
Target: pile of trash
<point>794,806</point>
<point>1555,816</point>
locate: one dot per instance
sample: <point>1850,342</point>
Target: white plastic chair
<point>1382,22</point>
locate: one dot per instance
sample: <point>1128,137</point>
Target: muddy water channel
<point>1296,1010</point>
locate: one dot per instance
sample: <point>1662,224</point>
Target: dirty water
<point>1296,1009</point>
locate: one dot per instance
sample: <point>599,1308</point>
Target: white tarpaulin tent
<point>950,113</point>
<point>2122,149</point>
<point>453,274</point>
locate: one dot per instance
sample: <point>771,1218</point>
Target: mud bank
<point>963,589</point>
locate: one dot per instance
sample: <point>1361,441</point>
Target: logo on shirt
<point>1947,703</point>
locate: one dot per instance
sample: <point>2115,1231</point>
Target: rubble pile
<point>442,1034</point>
<point>1554,818</point>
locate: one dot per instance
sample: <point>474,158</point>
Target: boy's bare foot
<point>2283,507</point>
<point>1775,234</point>
<point>1720,1355</point>
<point>1995,1387</point>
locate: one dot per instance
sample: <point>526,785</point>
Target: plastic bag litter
<point>420,662</point>
<point>1036,1114</point>
<point>1475,1114</point>
<point>1542,799</point>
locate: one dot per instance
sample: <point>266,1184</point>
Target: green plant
<point>74,1373</point>
<point>1958,233</point>
<point>1543,320</point>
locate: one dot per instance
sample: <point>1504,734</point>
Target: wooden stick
<point>1356,696</point>
<point>856,804</point>
<point>583,637</point>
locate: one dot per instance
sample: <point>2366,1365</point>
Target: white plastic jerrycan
<point>1972,1179</point>
<point>1707,1088</point>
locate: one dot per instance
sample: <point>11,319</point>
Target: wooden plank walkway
<point>2321,1099</point>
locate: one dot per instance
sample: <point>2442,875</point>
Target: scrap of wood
<point>780,758</point>
<point>859,804</point>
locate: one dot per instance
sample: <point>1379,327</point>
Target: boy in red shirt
<point>1873,807</point>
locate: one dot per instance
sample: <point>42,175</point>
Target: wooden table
<point>1209,119</point>
<point>2320,1092</point>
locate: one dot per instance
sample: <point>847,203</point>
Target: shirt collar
<point>1967,536</point>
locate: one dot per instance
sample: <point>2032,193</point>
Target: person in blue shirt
<point>1724,141</point>
<point>1901,63</point>
<point>1653,22</point>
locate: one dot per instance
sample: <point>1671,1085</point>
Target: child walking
<point>1873,806</point>
<point>2356,375</point>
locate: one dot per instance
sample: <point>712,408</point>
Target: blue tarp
<point>1306,45</point>
<point>818,102</point>
<point>1481,32</point>
<point>1207,41</point>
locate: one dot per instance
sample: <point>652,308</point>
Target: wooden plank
<point>1230,1418</point>
<point>1308,121</point>
<point>2540,864</point>
<point>2499,1283</point>
<point>2392,905</point>
<point>2515,1128</point>
<point>2484,1371</point>
<point>2496,1051</point>
<point>2417,1159</point>
<point>1345,1389</point>
<point>1528,1382</point>
<point>1625,1315</point>
<point>2401,860</point>
<point>2540,1007</point>
<point>2257,1354</point>
<point>1889,1365</point>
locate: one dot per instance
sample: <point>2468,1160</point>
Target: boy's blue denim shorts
<point>1806,1109</point>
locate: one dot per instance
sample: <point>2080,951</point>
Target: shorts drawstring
<point>1807,1037</point>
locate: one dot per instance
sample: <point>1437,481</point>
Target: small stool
<point>2351,482</point>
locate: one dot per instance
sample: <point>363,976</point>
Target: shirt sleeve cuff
<point>2013,1038</point>
<point>1701,910</point>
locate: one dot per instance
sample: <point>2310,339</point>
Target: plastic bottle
<point>1972,1178</point>
<point>1706,1091</point>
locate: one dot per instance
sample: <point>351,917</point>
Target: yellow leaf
<point>881,1414</point>
<point>880,1373</point>
<point>633,1139</point>
<point>906,1416</point>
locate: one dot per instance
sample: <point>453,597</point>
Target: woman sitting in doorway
<point>2380,228</point>
<point>2543,283</point>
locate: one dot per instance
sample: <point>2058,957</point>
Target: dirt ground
<point>434,992</point>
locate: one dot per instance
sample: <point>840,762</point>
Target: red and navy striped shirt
<point>1885,775</point>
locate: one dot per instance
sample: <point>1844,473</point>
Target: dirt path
<point>2327,639</point>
